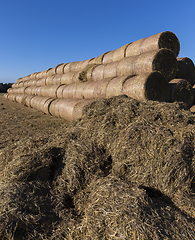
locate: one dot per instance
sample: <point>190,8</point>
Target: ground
<point>18,121</point>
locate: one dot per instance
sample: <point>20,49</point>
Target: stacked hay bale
<point>147,69</point>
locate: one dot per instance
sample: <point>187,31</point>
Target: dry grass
<point>125,170</point>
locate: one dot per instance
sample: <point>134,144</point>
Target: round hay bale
<point>181,91</point>
<point>75,77</point>
<point>66,108</point>
<point>70,67</point>
<point>59,92</point>
<point>98,73</point>
<point>53,108</point>
<point>57,79</point>
<point>71,90</point>
<point>51,71</point>
<point>49,91</point>
<point>49,80</point>
<point>45,105</point>
<point>108,57</point>
<point>30,90</point>
<point>60,68</point>
<point>81,65</point>
<point>39,75</point>
<point>67,78</point>
<point>149,86</point>
<point>120,52</point>
<point>15,85</point>
<point>161,40</point>
<point>79,90</point>
<point>28,100</point>
<point>162,60</point>
<point>115,86</point>
<point>78,108</point>
<point>89,89</point>
<point>38,90</point>
<point>86,74</point>
<point>110,70</point>
<point>35,102</point>
<point>5,95</point>
<point>41,82</point>
<point>186,69</point>
<point>100,89</point>
<point>98,60</point>
<point>19,80</point>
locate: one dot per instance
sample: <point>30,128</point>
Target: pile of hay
<point>125,170</point>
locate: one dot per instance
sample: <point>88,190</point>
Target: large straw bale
<point>186,69</point>
<point>165,39</point>
<point>49,91</point>
<point>60,68</point>
<point>149,86</point>
<point>162,61</point>
<point>181,90</point>
<point>110,70</point>
<point>98,73</point>
<point>86,73</point>
<point>49,80</point>
<point>115,55</point>
<point>99,59</point>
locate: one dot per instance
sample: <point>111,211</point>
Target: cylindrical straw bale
<point>15,85</point>
<point>20,90</point>
<point>45,105</point>
<point>70,67</point>
<point>28,100</point>
<point>120,53</point>
<point>186,69</point>
<point>49,80</point>
<point>9,90</point>
<point>65,92</point>
<point>115,86</point>
<point>149,86</point>
<point>19,80</point>
<point>39,75</point>
<point>21,98</point>
<point>35,102</point>
<point>81,65</point>
<point>78,108</point>
<point>44,73</point>
<point>79,90</point>
<point>162,60</point>
<point>12,97</point>
<point>89,89</point>
<point>33,75</point>
<point>71,90</point>
<point>59,92</point>
<point>108,57</point>
<point>86,73</point>
<point>30,90</point>
<point>51,71</point>
<point>38,90</point>
<point>100,90</point>
<point>181,91</point>
<point>98,73</point>
<point>66,108</point>
<point>110,70</point>
<point>73,66</point>
<point>41,82</point>
<point>49,91</point>
<point>70,77</point>
<point>54,108</point>
<point>57,79</point>
<point>60,68</point>
<point>5,95</point>
<point>165,39</point>
<point>98,60</point>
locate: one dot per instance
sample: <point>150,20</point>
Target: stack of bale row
<point>147,69</point>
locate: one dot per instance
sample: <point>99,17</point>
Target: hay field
<point>125,170</point>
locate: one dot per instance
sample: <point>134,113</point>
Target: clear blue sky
<point>39,34</point>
